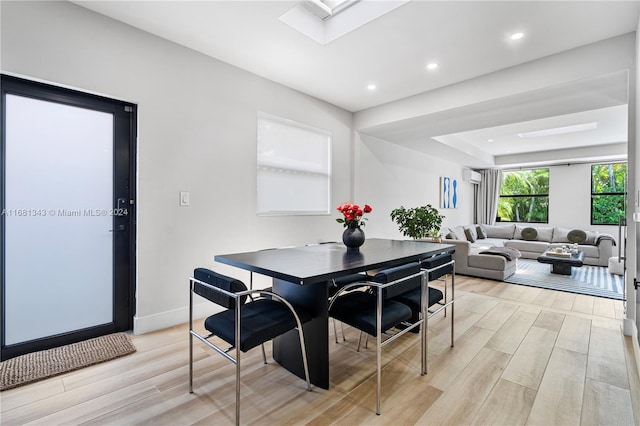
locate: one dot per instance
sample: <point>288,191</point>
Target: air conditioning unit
<point>471,176</point>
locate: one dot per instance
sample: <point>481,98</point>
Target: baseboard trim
<point>162,320</point>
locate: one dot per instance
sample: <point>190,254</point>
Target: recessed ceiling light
<point>371,87</point>
<point>489,140</point>
<point>517,36</point>
<point>432,66</point>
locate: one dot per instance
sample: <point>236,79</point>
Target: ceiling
<point>466,39</point>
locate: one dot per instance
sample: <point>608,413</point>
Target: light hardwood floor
<point>522,356</point>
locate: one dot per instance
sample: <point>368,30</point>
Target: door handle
<point>121,228</point>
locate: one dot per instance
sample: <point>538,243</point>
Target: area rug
<point>589,280</point>
<point>40,365</point>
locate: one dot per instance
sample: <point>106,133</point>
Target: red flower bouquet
<point>352,214</point>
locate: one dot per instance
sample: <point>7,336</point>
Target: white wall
<point>197,133</point>
<point>388,176</point>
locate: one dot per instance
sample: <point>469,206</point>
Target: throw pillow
<point>529,234</point>
<point>545,234</point>
<point>591,237</point>
<point>560,235</point>
<point>577,236</point>
<point>470,233</point>
<point>458,231</point>
<point>480,231</point>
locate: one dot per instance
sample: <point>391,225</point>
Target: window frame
<point>624,193</point>
<point>540,195</point>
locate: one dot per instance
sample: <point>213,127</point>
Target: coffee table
<point>562,265</point>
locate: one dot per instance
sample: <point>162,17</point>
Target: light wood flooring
<point>522,356</point>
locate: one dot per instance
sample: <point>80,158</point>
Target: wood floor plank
<point>462,400</point>
<point>530,294</point>
<point>497,317</point>
<point>507,404</point>
<point>600,400</point>
<point>583,304</point>
<point>528,364</point>
<point>511,334</point>
<point>549,320</point>
<point>559,397</point>
<point>575,334</point>
<point>606,357</point>
<point>564,301</point>
<point>604,307</point>
<point>634,376</point>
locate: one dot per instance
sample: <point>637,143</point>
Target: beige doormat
<point>40,365</point>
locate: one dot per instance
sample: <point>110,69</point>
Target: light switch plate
<point>185,198</point>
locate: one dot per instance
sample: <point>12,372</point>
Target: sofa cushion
<point>591,238</point>
<point>560,235</point>
<point>458,233</point>
<point>528,246</point>
<point>545,234</point>
<point>487,261</point>
<point>481,232</point>
<point>470,233</point>
<point>500,231</point>
<point>577,236</point>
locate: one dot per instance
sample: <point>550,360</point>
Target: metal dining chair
<point>375,312</point>
<point>245,323</point>
<point>436,268</point>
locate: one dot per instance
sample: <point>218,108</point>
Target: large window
<point>293,168</point>
<point>608,193</point>
<point>524,196</point>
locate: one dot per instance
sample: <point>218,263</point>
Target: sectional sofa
<point>530,241</point>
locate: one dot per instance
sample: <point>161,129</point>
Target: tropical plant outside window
<point>524,196</point>
<point>608,193</point>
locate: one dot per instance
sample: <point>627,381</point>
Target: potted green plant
<point>418,222</point>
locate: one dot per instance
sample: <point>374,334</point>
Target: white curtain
<point>487,194</point>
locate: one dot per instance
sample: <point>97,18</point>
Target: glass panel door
<point>59,186</point>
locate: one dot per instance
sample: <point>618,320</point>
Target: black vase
<point>353,237</point>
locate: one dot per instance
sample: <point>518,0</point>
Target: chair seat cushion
<point>358,309</point>
<point>412,298</point>
<point>260,321</point>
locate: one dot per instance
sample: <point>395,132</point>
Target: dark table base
<point>286,348</point>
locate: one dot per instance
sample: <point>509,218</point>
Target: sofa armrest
<point>463,249</point>
<point>605,251</point>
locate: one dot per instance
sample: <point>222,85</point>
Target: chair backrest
<point>435,261</point>
<point>396,273</point>
<point>223,282</point>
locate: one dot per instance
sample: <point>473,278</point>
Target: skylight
<point>559,130</point>
<point>328,20</point>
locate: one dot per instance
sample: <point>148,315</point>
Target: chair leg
<point>344,339</point>
<point>190,338</point>
<point>264,354</point>
<point>359,340</point>
<point>445,294</point>
<point>303,348</point>
<point>238,352</point>
<point>366,341</point>
<point>453,286</point>
<point>335,330</point>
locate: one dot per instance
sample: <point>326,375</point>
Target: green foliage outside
<point>524,196</point>
<point>608,193</point>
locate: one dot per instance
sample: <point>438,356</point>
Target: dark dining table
<point>302,275</point>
